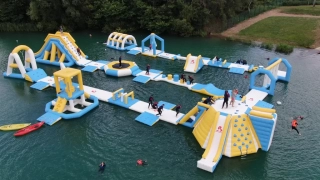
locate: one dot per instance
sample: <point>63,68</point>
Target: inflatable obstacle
<point>121,41</point>
<point>61,47</point>
<point>28,70</point>
<point>152,51</point>
<point>193,64</point>
<point>271,75</point>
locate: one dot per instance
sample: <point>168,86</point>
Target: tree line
<point>181,17</point>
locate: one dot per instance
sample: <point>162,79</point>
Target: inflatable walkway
<point>60,48</point>
<point>193,64</point>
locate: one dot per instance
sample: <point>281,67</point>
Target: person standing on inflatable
<point>150,101</point>
<point>190,79</point>
<point>225,99</point>
<point>150,47</point>
<point>120,65</point>
<point>178,109</point>
<point>148,68</point>
<point>160,110</point>
<point>294,124</point>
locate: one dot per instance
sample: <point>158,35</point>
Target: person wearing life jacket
<point>294,125</point>
<point>141,162</point>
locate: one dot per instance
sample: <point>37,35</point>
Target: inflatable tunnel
<point>121,41</point>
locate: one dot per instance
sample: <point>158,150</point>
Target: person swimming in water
<point>141,162</point>
<point>102,166</point>
<point>294,123</point>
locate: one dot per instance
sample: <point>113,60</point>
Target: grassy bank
<point>307,10</point>
<point>294,31</point>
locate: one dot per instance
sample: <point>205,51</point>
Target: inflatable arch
<point>272,74</point>
<point>121,41</point>
<point>153,43</point>
<point>14,61</point>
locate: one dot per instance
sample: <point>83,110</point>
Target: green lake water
<point>73,149</point>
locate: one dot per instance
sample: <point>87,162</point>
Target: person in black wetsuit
<point>154,105</point>
<point>102,166</point>
<point>120,65</point>
<point>178,109</point>
<point>148,68</point>
<point>79,51</point>
<point>150,101</point>
<point>209,100</point>
<point>183,78</point>
<point>225,99</point>
<point>190,79</point>
<point>160,109</point>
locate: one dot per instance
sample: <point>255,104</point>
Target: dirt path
<point>275,12</point>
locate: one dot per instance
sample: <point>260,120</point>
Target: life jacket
<point>294,123</point>
<point>139,162</point>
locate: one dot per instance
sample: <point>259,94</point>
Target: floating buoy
<point>279,102</point>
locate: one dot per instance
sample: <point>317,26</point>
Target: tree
<point>314,3</point>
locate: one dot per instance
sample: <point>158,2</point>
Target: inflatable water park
<point>231,132</point>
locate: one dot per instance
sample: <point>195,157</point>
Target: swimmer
<point>90,35</point>
<point>141,162</point>
<point>294,124</point>
<point>102,166</point>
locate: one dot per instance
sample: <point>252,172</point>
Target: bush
<point>268,46</point>
<point>298,3</point>
<point>17,27</point>
<point>182,27</point>
<point>285,49</point>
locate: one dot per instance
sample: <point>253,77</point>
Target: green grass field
<point>315,11</point>
<point>294,31</point>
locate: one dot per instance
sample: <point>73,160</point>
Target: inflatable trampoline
<point>126,69</point>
